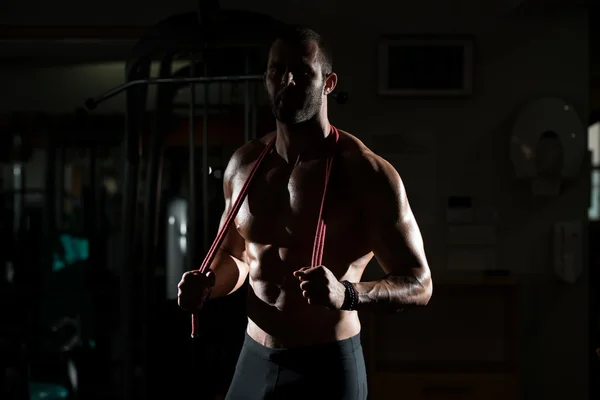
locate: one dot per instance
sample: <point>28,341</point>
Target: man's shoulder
<point>377,181</point>
<point>251,150</point>
<point>248,153</point>
<point>362,162</point>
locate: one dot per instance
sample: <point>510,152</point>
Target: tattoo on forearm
<point>391,293</point>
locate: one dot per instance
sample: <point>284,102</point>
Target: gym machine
<point>43,338</point>
<point>205,39</point>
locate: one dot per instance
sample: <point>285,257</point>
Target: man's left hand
<point>320,287</point>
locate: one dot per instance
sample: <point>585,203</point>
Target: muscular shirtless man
<point>302,338</point>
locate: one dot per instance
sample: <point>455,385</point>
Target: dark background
<point>79,321</point>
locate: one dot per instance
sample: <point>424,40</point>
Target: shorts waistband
<point>335,349</point>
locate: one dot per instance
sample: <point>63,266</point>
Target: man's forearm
<point>393,293</point>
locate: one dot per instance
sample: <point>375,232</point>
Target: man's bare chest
<point>283,205</point>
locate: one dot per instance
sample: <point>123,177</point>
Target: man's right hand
<point>194,289</point>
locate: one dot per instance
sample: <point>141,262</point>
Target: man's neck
<point>300,142</point>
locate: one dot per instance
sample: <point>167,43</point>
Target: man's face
<point>294,81</point>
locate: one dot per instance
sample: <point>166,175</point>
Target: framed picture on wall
<point>426,65</point>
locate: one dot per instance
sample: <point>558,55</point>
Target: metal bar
<point>22,186</point>
<point>217,109</point>
<point>594,310</point>
<point>191,225</point>
<point>127,276</point>
<point>94,222</point>
<point>18,172</point>
<point>99,200</point>
<point>93,102</point>
<point>205,166</point>
<point>80,33</point>
<point>222,126</point>
<point>135,102</point>
<point>159,182</point>
<point>37,191</point>
<point>49,195</point>
<point>60,186</point>
<point>220,110</point>
<point>16,182</point>
<point>150,222</point>
<point>246,100</point>
<point>254,113</point>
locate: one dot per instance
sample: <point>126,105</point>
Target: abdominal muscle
<point>280,317</point>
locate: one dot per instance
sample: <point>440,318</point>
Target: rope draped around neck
<point>319,243</point>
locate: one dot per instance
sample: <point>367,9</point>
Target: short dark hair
<point>296,34</point>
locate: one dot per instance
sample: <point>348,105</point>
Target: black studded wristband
<point>350,297</point>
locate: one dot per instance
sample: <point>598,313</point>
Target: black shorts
<point>333,371</point>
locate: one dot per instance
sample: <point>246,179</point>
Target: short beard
<point>307,112</point>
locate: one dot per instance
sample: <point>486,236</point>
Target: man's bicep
<point>233,242</point>
<point>229,264</point>
<point>395,236</point>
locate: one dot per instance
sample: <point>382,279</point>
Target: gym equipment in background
<point>224,47</point>
<point>241,33</point>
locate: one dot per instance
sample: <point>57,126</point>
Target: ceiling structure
<point>67,45</point>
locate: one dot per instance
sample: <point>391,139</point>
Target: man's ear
<point>330,83</point>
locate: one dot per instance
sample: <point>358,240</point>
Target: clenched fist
<point>320,287</point>
<point>194,289</point>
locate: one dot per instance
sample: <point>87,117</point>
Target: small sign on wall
<point>424,65</point>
